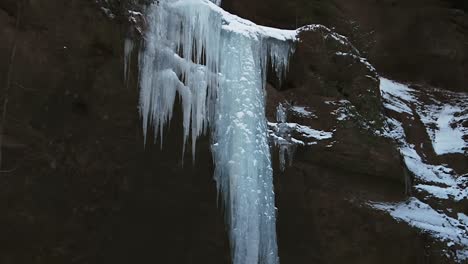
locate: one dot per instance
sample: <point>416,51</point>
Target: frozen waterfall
<point>217,63</point>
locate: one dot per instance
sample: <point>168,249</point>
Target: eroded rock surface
<point>78,186</point>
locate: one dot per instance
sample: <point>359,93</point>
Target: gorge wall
<point>77,185</point>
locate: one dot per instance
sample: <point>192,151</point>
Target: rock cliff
<point>78,186</point>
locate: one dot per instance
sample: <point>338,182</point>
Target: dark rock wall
<point>82,186</point>
<point>78,186</point>
<point>417,40</point>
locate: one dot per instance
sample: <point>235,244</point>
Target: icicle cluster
<point>284,139</point>
<point>181,55</point>
<point>128,49</point>
<point>217,64</point>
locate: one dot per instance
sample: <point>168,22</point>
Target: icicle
<point>128,49</point>
<point>281,115</point>
<point>283,137</point>
<point>217,64</point>
<point>184,37</point>
<point>279,54</point>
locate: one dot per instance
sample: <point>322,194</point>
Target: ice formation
<point>287,136</point>
<point>217,63</point>
<point>283,139</point>
<point>128,49</point>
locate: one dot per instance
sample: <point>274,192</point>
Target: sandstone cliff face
<point>78,186</point>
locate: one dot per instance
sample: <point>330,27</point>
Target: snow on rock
<point>401,98</point>
<point>426,172</point>
<point>457,192</point>
<point>137,20</point>
<point>463,218</point>
<point>287,136</point>
<point>444,126</point>
<point>437,182</point>
<point>443,121</point>
<point>302,111</point>
<point>343,112</point>
<point>396,96</point>
<point>304,132</point>
<point>236,24</point>
<point>329,34</point>
<point>394,129</point>
<point>358,58</point>
<point>424,217</point>
<point>313,133</point>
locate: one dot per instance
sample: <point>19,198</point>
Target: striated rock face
<point>77,185</point>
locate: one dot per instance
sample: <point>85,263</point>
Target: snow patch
<point>456,192</point>
<point>397,96</point>
<point>283,134</point>
<point>426,172</point>
<point>444,125</point>
<point>443,121</point>
<point>302,111</point>
<point>436,181</point>
<point>358,58</point>
<point>343,112</point>
<point>422,216</point>
<point>329,34</point>
<point>312,133</point>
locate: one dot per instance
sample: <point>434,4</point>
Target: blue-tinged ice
<point>217,63</point>
<point>241,153</point>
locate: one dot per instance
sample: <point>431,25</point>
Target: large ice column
<point>217,64</point>
<point>243,169</point>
